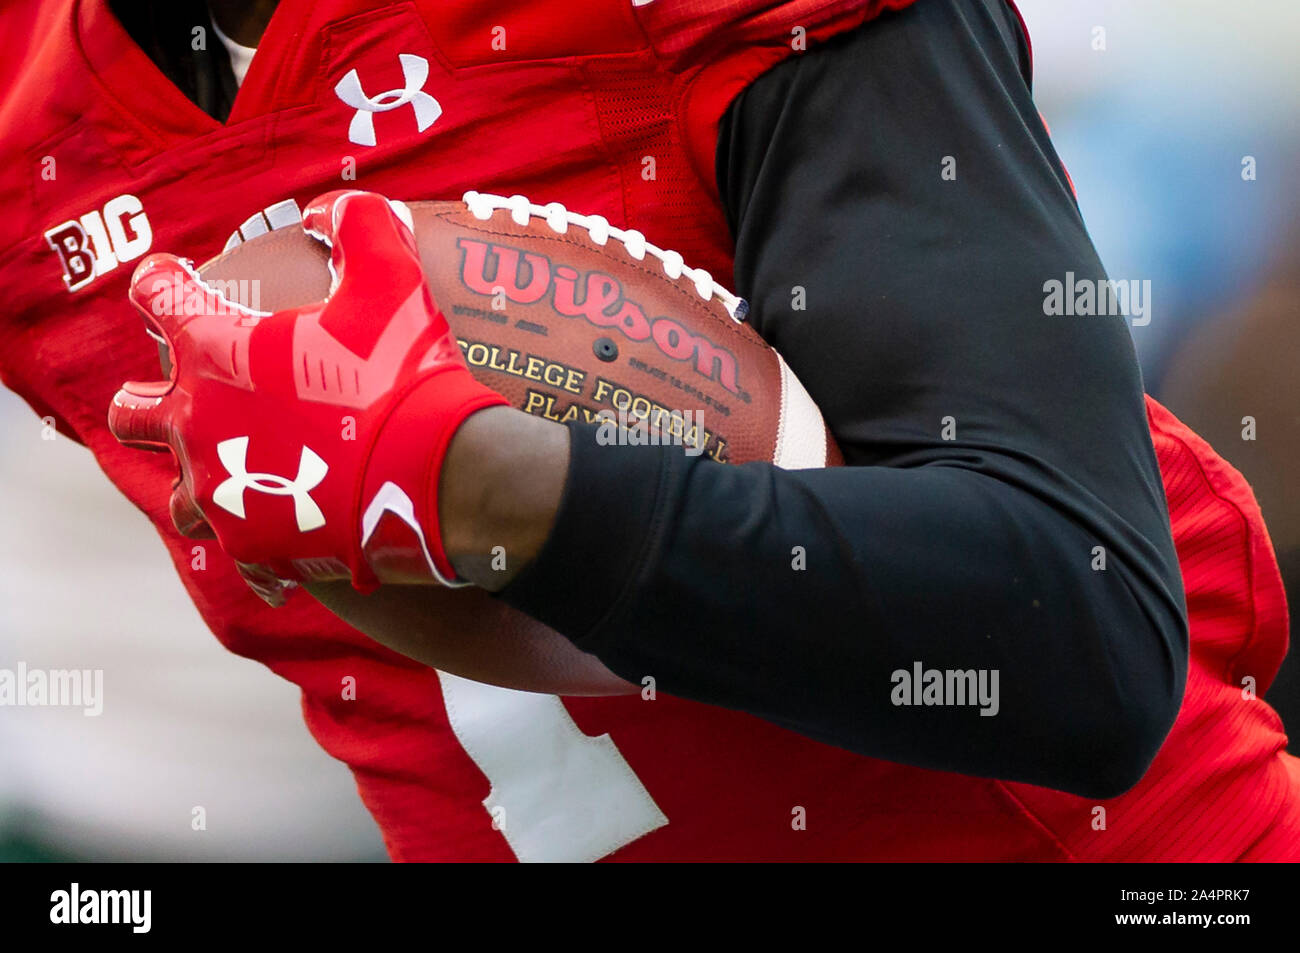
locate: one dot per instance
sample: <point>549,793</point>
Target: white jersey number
<point>557,795</point>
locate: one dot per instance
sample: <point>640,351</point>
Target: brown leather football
<point>568,317</point>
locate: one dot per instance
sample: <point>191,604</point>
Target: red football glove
<point>310,440</point>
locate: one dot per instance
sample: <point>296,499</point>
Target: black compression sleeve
<point>998,455</point>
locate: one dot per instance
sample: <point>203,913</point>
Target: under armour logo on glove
<point>415,70</point>
<point>229,495</point>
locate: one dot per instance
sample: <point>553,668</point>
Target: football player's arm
<point>897,209</point>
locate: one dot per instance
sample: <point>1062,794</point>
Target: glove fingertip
<point>137,416</point>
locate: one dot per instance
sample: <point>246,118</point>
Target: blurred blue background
<point>1153,130</point>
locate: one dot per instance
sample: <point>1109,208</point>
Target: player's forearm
<point>800,596</point>
<point>500,489</point>
<point>468,633</point>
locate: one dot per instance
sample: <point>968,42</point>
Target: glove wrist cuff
<point>400,538</point>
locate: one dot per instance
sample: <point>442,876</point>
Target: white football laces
<point>482,204</point>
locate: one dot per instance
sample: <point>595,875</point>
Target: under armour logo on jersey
<point>230,494</point>
<point>415,70</point>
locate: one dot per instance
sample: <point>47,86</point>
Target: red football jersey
<point>430,98</point>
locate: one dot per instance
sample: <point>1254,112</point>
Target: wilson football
<point>571,319</point>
